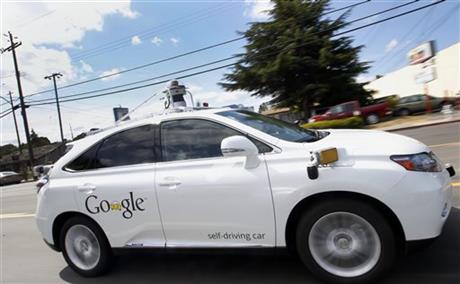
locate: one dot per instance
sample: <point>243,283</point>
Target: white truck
<point>348,202</point>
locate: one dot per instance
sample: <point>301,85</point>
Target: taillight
<point>41,182</point>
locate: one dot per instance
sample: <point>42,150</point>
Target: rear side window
<point>84,161</point>
<point>129,147</point>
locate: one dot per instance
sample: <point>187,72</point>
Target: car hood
<point>368,143</point>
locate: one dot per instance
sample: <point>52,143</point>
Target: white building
<point>442,72</point>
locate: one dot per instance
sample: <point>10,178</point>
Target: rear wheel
<point>345,241</point>
<point>85,247</point>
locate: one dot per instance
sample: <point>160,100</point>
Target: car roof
<point>150,119</point>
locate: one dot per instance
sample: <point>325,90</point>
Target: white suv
<point>346,201</point>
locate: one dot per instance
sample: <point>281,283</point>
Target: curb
<point>420,125</point>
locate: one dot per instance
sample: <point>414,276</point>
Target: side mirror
<point>240,146</point>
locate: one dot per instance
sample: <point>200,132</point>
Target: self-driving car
<point>347,202</point>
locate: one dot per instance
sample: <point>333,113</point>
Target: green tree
<point>7,149</point>
<point>294,59</point>
<point>38,141</point>
<point>263,107</point>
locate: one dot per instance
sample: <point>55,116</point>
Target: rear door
<point>207,200</point>
<point>114,184</point>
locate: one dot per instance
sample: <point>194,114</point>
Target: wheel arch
<point>307,202</point>
<point>60,220</point>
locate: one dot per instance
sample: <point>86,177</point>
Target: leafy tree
<point>36,140</point>
<point>294,59</point>
<point>7,149</point>
<point>263,107</point>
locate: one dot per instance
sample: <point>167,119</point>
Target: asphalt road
<point>26,259</point>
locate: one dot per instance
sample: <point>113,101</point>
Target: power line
<point>163,60</point>
<point>7,113</point>
<point>141,81</point>
<point>228,65</point>
<point>347,7</point>
<point>401,40</point>
<point>127,43</point>
<point>140,87</point>
<point>155,29</point>
<point>143,66</point>
<point>422,35</point>
<point>229,58</point>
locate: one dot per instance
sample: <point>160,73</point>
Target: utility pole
<point>13,109</point>
<point>71,131</point>
<point>12,48</point>
<point>53,77</point>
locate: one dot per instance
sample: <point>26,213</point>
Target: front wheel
<point>345,241</point>
<point>85,247</point>
<point>372,119</point>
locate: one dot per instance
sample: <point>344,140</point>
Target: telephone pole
<point>53,77</point>
<point>13,109</point>
<point>12,48</point>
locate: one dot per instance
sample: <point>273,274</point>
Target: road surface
<point>26,259</point>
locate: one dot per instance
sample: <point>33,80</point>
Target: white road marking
<point>445,145</point>
<point>16,215</point>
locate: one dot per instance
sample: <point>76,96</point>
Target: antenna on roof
<point>174,96</point>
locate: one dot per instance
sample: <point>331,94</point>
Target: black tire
<point>105,257</point>
<point>372,119</point>
<point>388,248</point>
<point>404,112</point>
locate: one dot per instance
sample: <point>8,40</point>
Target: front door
<point>206,199</point>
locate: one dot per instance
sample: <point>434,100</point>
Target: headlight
<point>422,162</point>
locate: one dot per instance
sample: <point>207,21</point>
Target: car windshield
<point>274,127</point>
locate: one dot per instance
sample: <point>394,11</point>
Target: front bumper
<point>422,202</point>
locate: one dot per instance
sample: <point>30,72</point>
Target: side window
<point>130,147</point>
<point>337,109</point>
<point>348,107</point>
<point>85,160</point>
<point>133,146</point>
<point>195,139</point>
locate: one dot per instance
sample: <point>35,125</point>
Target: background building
<point>441,74</point>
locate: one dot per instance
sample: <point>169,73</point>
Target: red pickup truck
<point>371,114</point>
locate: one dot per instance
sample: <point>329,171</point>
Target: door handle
<point>170,181</point>
<point>87,188</point>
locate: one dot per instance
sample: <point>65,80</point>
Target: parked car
<point>223,178</point>
<point>9,178</point>
<point>419,103</point>
<point>371,113</point>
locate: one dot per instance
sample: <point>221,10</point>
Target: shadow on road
<point>438,264</point>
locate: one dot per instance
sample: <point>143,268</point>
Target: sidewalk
<point>414,121</point>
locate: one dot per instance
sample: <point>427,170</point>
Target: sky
<point>89,39</point>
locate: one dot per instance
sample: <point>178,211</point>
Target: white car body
<point>221,202</point>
